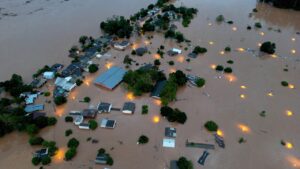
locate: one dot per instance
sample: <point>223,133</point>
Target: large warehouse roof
<point>111,78</point>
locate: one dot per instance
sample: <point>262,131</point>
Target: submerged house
<point>174,52</point>
<point>37,83</point>
<point>104,107</point>
<point>159,86</point>
<point>121,45</point>
<point>170,132</point>
<point>74,69</point>
<point>89,113</point>
<point>29,97</point>
<point>110,78</point>
<point>106,123</point>
<point>65,83</point>
<point>102,159</point>
<point>128,108</point>
<point>41,153</point>
<point>141,51</point>
<point>33,108</point>
<point>85,126</point>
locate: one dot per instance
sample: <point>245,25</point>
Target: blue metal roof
<point>33,108</point>
<point>111,78</point>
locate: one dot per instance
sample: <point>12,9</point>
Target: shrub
<point>230,22</point>
<point>183,163</point>
<point>228,70</point>
<point>230,61</point>
<point>52,121</point>
<point>145,109</point>
<point>93,68</point>
<point>200,50</point>
<point>219,68</point>
<point>36,140</point>
<point>110,161</point>
<point>93,124</point>
<point>46,94</point>
<point>73,143</point>
<point>69,119</point>
<point>156,62</point>
<point>284,83</point>
<point>87,99</point>
<point>241,140</point>
<point>101,151</point>
<point>178,77</point>
<point>68,132</point>
<point>35,161</point>
<point>133,52</point>
<point>79,82</point>
<point>227,49</point>
<point>173,115</point>
<point>268,47</point>
<point>171,63</point>
<point>32,129</point>
<point>143,139</point>
<point>220,18</point>
<point>258,25</point>
<point>59,100</point>
<point>211,126</point>
<point>200,82</point>
<point>117,25</point>
<point>262,113</point>
<point>249,27</point>
<point>46,160</point>
<point>70,153</point>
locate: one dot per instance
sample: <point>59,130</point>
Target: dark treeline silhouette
<point>287,4</point>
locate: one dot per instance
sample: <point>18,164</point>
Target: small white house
<point>176,50</point>
<point>169,143</point>
<point>84,126</point>
<point>78,120</point>
<point>49,75</point>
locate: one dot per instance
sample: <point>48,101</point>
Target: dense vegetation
<point>211,126</point>
<point>175,80</point>
<point>184,163</point>
<point>173,115</point>
<point>268,47</point>
<point>142,81</point>
<point>287,4</point>
<point>143,139</point>
<point>117,25</point>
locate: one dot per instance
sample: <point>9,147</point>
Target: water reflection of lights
<point>222,53</point>
<point>108,65</point>
<point>231,78</point>
<point>291,86</point>
<point>293,51</point>
<point>156,119</point>
<point>262,33</point>
<point>242,96</point>
<point>244,128</point>
<point>289,113</point>
<point>211,42</point>
<point>180,59</point>
<point>172,70</point>
<point>220,133</point>
<point>213,66</point>
<point>134,46</point>
<point>156,56</point>
<point>130,96</point>
<point>240,49</point>
<point>157,102</point>
<point>270,94</point>
<point>243,87</point>
<point>59,156</point>
<point>234,28</point>
<point>295,162</point>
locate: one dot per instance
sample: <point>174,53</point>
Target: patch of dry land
<point>234,101</point>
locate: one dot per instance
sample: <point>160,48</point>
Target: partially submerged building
<point>89,113</point>
<point>170,132</point>
<point>110,78</point>
<point>38,83</point>
<point>104,107</point>
<point>74,69</point>
<point>78,120</point>
<point>141,51</point>
<point>168,143</point>
<point>128,108</point>
<point>121,45</point>
<point>102,159</point>
<point>41,153</point>
<point>174,52</point>
<point>66,83</point>
<point>33,108</point>
<point>85,126</point>
<point>106,123</point>
<point>159,86</point>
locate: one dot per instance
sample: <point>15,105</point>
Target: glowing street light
<point>130,96</point>
<point>243,87</point>
<point>291,86</point>
<point>211,42</point>
<point>288,145</point>
<point>244,128</point>
<point>156,119</point>
<point>220,133</point>
<point>289,112</point>
<point>242,96</point>
<point>293,51</point>
<point>213,66</point>
<point>234,28</point>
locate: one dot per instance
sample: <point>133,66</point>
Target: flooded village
<point>172,84</point>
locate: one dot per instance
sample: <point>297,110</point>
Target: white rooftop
<point>169,143</point>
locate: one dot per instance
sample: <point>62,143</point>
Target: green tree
<point>35,140</point>
<point>46,160</point>
<point>183,163</point>
<point>211,126</point>
<point>59,100</point>
<point>70,153</point>
<point>36,161</point>
<point>93,68</point>
<point>268,47</point>
<point>93,124</point>
<point>73,143</point>
<point>143,139</point>
<point>200,82</point>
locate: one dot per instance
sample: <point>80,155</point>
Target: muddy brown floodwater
<point>233,101</point>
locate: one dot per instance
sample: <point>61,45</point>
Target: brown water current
<point>29,41</point>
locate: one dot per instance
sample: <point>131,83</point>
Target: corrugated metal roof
<point>111,78</point>
<point>33,108</point>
